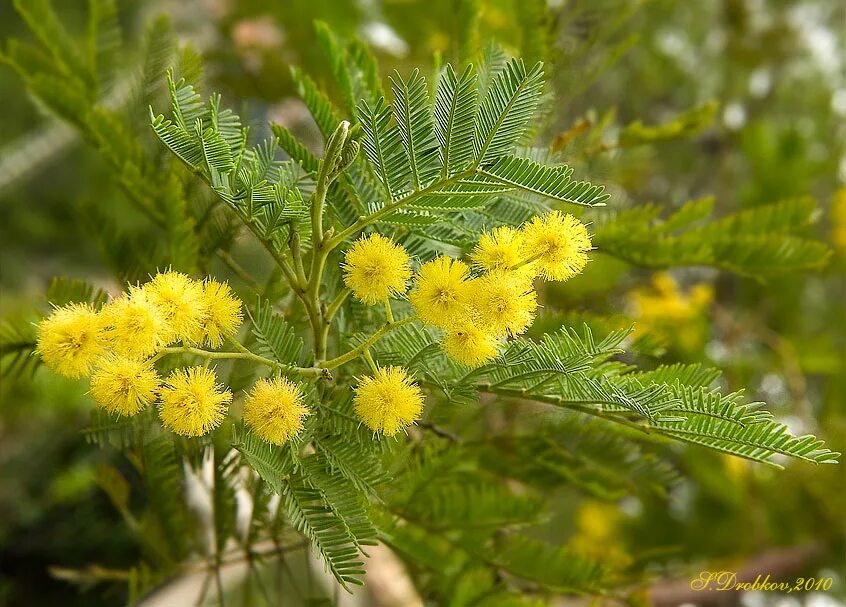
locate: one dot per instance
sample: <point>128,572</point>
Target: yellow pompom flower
<point>469,345</point>
<point>504,302</point>
<point>560,242</point>
<point>192,404</point>
<point>180,301</point>
<point>223,312</point>
<point>376,268</point>
<point>274,409</point>
<point>439,295</point>
<point>389,401</point>
<point>71,339</point>
<point>499,249</point>
<point>136,327</point>
<point>124,385</point>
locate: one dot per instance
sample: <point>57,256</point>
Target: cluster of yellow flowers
<point>118,345</point>
<point>665,311</point>
<point>475,312</point>
<point>476,309</point>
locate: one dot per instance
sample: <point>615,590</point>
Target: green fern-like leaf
<point>455,114</point>
<point>307,512</point>
<point>506,110</point>
<point>756,242</point>
<point>275,337</point>
<point>272,464</point>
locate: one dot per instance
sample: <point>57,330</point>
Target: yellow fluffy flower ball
<point>223,312</point>
<point>499,249</point>
<point>389,401</point>
<point>192,404</point>
<point>469,345</point>
<point>274,409</point>
<point>504,302</point>
<point>180,300</point>
<point>560,242</point>
<point>440,291</point>
<point>124,385</point>
<point>136,327</point>
<point>376,268</point>
<point>71,340</point>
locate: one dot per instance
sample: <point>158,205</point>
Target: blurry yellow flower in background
<point>136,327</point>
<point>440,291</point>
<point>736,467</point>
<point>499,249</point>
<point>469,345</point>
<point>223,313</point>
<point>389,401</point>
<point>560,243</point>
<point>192,404</point>
<point>180,301</point>
<point>71,339</point>
<point>505,302</point>
<point>274,409</point>
<point>598,531</point>
<point>376,268</point>
<point>663,310</point>
<point>124,386</point>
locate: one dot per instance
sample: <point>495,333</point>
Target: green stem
<point>528,260</point>
<point>287,270</point>
<point>247,355</point>
<point>359,350</point>
<point>319,252</point>
<point>239,271</point>
<point>389,314</point>
<point>296,255</point>
<point>328,314</point>
<point>370,362</point>
<point>336,304</point>
<point>312,302</point>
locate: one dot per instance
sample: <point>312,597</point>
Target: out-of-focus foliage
<point>719,129</point>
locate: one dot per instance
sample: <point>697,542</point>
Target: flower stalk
<point>247,355</point>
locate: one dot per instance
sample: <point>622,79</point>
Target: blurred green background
<point>753,93</point>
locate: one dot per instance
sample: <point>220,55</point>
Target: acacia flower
<point>136,326</point>
<point>376,268</point>
<point>71,339</point>
<point>124,385</point>
<point>274,409</point>
<point>560,242</point>
<point>192,404</point>
<point>499,249</point>
<point>389,401</point>
<point>504,301</point>
<point>439,295</point>
<point>180,301</point>
<point>223,312</point>
<point>469,345</point>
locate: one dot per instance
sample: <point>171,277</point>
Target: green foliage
<point>275,337</point>
<point>330,525</point>
<point>271,463</point>
<point>72,84</point>
<point>17,346</point>
<point>63,291</point>
<point>763,241</point>
<point>460,500</point>
<point>682,126</point>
